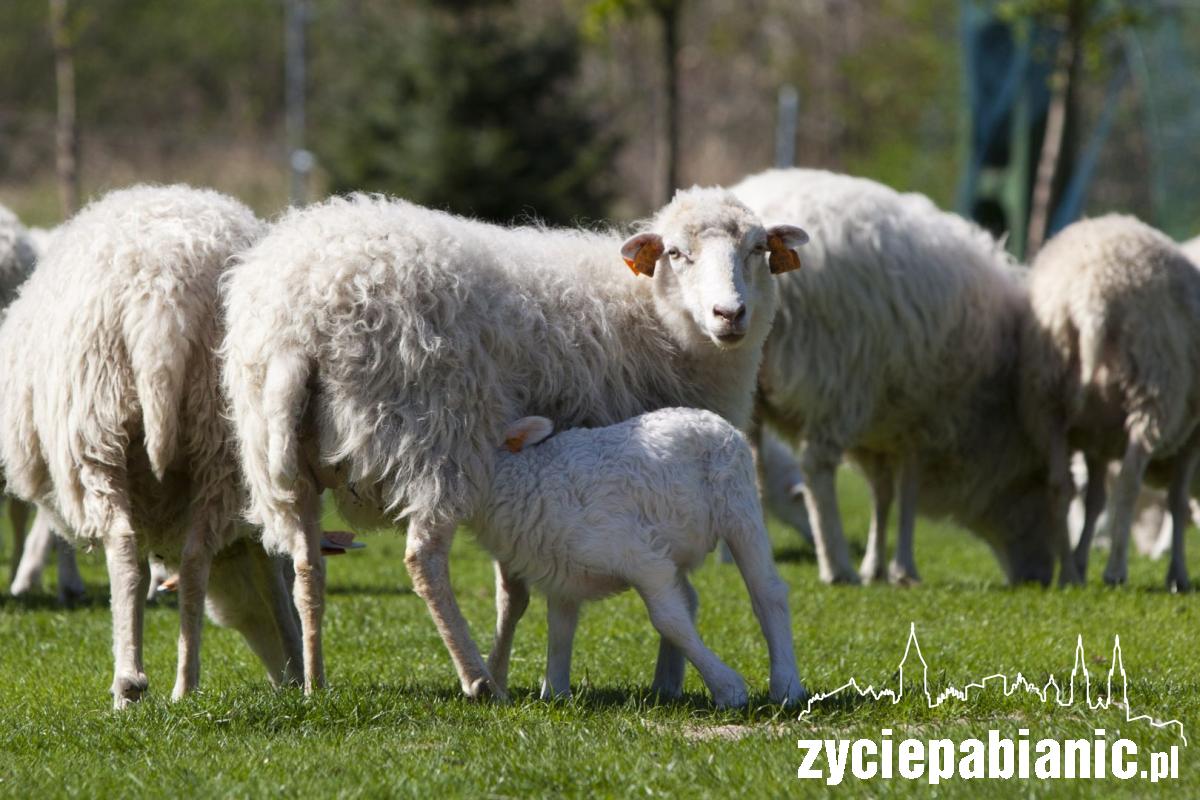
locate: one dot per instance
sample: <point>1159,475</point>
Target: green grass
<point>393,722</point>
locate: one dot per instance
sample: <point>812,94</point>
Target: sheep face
<point>712,262</point>
<point>1021,531</point>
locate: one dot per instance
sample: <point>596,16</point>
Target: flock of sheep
<point>182,382</point>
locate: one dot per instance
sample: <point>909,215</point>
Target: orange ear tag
<point>516,442</point>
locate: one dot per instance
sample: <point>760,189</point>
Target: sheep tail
<point>1092,336</point>
<point>160,350</point>
<point>285,395</point>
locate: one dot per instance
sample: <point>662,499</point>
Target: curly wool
<point>112,386</point>
<point>1117,321</point>
<point>388,345</point>
<point>899,338</point>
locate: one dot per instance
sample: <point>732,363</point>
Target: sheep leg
<point>769,599</point>
<point>128,576</point>
<point>18,515</point>
<point>194,566</point>
<point>668,609</point>
<point>512,598</point>
<point>1179,501</point>
<point>669,669</point>
<point>427,555</point>
<point>903,569</point>
<point>882,483</point>
<point>70,582</point>
<point>308,591</point>
<point>819,464</point>
<point>562,617</point>
<point>1124,502</point>
<point>1094,498</point>
<point>1062,489</point>
<point>32,556</point>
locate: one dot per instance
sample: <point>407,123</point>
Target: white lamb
<point>379,349</point>
<point>115,426</point>
<point>897,342</point>
<point>1113,370</point>
<point>594,511</point>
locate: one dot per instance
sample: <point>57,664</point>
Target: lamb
<point>1114,371</point>
<point>114,423</point>
<point>378,348</point>
<point>897,342</point>
<point>593,511</point>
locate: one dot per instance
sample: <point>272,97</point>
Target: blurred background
<point>1022,114</point>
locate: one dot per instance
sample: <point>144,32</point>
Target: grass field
<point>394,724</point>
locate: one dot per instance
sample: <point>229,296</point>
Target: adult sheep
<point>378,348</point>
<point>897,343</point>
<point>114,422</point>
<point>1114,371</point>
<point>20,248</point>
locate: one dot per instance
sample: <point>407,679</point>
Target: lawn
<point>394,724</point>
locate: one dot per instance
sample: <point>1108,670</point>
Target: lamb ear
<point>782,241</point>
<point>641,252</point>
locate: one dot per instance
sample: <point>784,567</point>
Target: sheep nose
<point>730,315</point>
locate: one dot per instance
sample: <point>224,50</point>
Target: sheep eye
<point>760,247</point>
<point>674,252</point>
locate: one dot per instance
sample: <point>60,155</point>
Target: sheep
<point>1191,249</point>
<point>593,511</point>
<point>20,248</point>
<point>378,348</point>
<point>114,423</point>
<point>1114,371</point>
<point>783,485</point>
<point>897,342</point>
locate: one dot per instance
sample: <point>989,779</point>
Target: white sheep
<point>783,484</point>
<point>594,511</point>
<point>114,423</point>
<point>379,348</point>
<point>1113,359</point>
<point>20,249</point>
<point>1191,249</point>
<point>897,342</point>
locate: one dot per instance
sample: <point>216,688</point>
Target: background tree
<point>465,106</point>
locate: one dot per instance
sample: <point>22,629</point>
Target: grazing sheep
<point>114,423</point>
<point>378,348</point>
<point>594,511</point>
<point>783,484</point>
<point>1113,370</point>
<point>897,342</point>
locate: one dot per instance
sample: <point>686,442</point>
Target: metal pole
<point>785,126</point>
<point>300,160</point>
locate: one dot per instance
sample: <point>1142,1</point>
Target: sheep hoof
<point>871,571</point>
<point>841,577</point>
<point>788,692</point>
<point>1115,577</point>
<point>549,694</point>
<point>1177,580</point>
<point>732,696</point>
<point>667,691</point>
<point>483,688</point>
<point>128,689</point>
<point>899,575</point>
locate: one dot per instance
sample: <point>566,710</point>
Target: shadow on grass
<point>369,589</point>
<point>95,597</point>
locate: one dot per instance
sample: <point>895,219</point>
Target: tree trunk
<point>67,129</point>
<point>1062,87</point>
<point>668,150</point>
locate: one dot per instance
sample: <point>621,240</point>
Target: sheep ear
<point>526,431</point>
<point>782,241</point>
<point>641,252</point>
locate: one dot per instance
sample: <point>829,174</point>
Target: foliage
<point>472,112</point>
